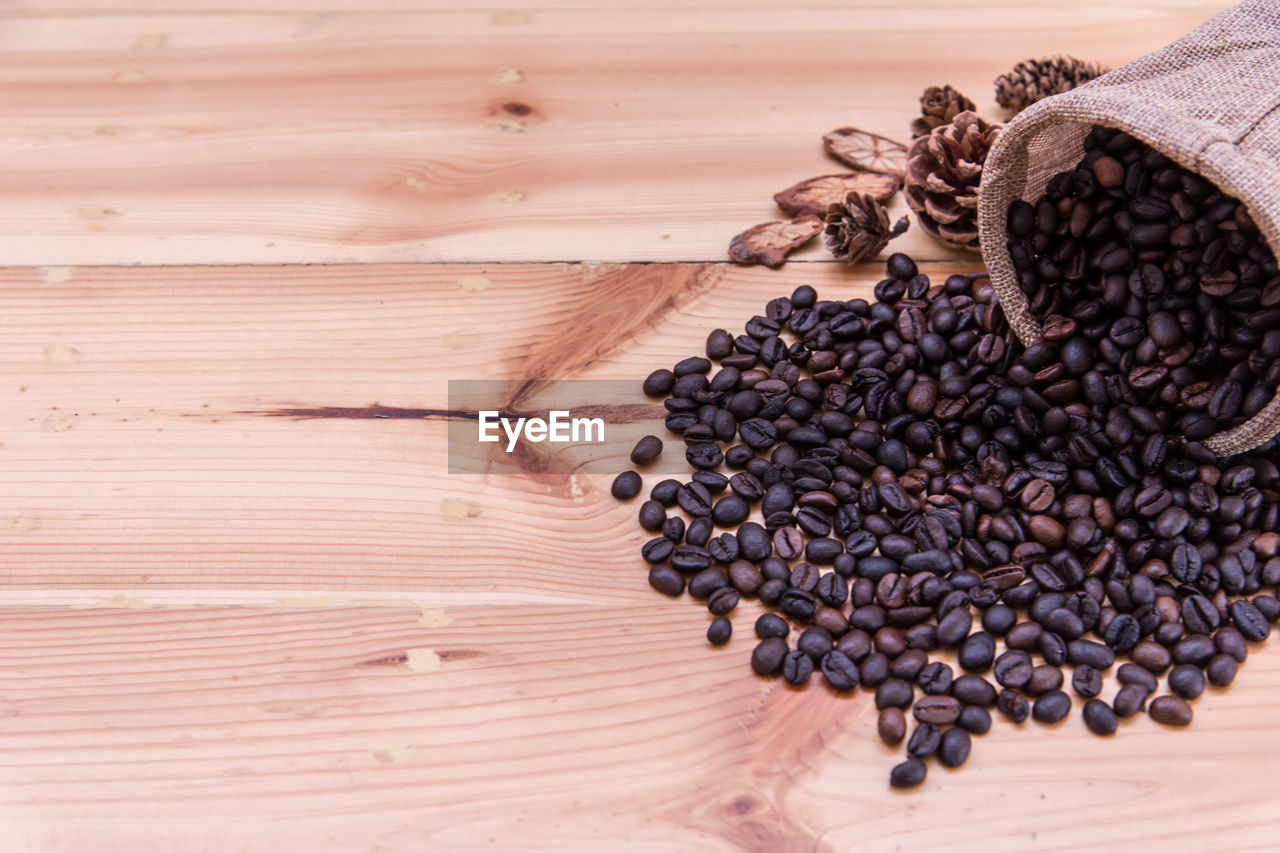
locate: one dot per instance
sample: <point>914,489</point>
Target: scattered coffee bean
<point>1170,711</point>
<point>1100,718</point>
<point>719,631</point>
<point>908,774</point>
<point>646,450</point>
<point>954,749</point>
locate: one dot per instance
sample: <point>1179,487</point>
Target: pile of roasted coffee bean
<point>900,476</point>
<point>1168,282</point>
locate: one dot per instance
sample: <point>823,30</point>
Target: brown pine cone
<point>939,105</point>
<point>943,172</point>
<point>858,228</point>
<point>1035,79</point>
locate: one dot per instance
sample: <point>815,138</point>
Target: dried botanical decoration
<point>858,228</point>
<point>1034,79</point>
<point>814,196</point>
<point>943,173</point>
<point>770,243</point>
<point>865,151</point>
<point>939,105</point>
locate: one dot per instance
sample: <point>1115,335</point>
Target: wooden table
<point>231,625</point>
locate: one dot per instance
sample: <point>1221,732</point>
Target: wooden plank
<point>197,428</point>
<point>624,134</point>
<point>555,727</point>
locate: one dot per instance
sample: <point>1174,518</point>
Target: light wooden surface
<point>238,615</point>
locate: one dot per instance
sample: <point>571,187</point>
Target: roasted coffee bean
<point>797,668</point>
<point>924,740</point>
<point>1086,681</point>
<point>719,631</point>
<point>891,725</point>
<point>1100,718</point>
<point>894,693</point>
<point>935,679</point>
<point>626,485</point>
<point>1051,707</point>
<point>938,710</point>
<point>771,625</point>
<point>666,580</point>
<point>652,516</point>
<point>1186,681</point>
<point>955,746</point>
<point>768,656</point>
<point>1013,705</point>
<point>646,450</point>
<point>1170,711</point>
<point>840,672</point>
<point>973,690</point>
<point>1131,699</point>
<point>1090,653</point>
<point>1129,673</point>
<point>1249,621</point>
<point>659,383</point>
<point>974,719</point>
<point>908,774</point>
<point>976,652</point>
<point>1221,670</point>
<point>1045,678</point>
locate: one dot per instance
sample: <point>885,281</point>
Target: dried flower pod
<point>943,173</point>
<point>770,243</point>
<point>939,105</point>
<point>1034,79</point>
<point>865,151</point>
<point>858,228</point>
<point>814,196</point>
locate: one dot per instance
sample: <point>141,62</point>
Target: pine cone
<point>858,227</point>
<point>939,105</point>
<point>1034,79</point>
<point>943,172</point>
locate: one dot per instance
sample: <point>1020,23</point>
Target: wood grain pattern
<point>360,728</point>
<point>211,614</point>
<point>245,604</point>
<point>524,135</point>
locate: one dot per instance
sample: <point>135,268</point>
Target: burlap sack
<point>1210,102</point>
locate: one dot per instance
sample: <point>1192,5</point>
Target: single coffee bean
<point>1086,681</point>
<point>1186,681</point>
<point>666,580</point>
<point>797,668</point>
<point>1100,718</point>
<point>1052,707</point>
<point>771,625</point>
<point>1130,673</point>
<point>924,740</point>
<point>1170,711</point>
<point>938,710</point>
<point>1221,670</point>
<point>719,631</point>
<point>659,383</point>
<point>891,725</point>
<point>894,693</point>
<point>840,672</point>
<point>955,746</point>
<point>977,652</point>
<point>1131,699</point>
<point>908,774</point>
<point>646,450</point>
<point>626,485</point>
<point>768,655</point>
<point>935,678</point>
<point>974,690</point>
<point>1013,705</point>
<point>974,719</point>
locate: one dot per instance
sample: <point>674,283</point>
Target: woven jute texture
<point>1210,101</point>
